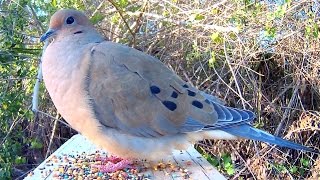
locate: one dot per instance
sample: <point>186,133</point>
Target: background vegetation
<point>258,55</point>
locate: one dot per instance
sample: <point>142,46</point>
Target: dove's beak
<point>48,34</point>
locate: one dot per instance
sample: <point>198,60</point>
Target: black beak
<point>46,35</point>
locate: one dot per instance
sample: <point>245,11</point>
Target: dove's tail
<point>249,132</point>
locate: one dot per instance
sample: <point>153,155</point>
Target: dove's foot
<point>112,164</point>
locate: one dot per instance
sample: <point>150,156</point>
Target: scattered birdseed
<point>31,173</point>
<point>99,166</point>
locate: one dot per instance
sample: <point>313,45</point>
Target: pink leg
<point>112,164</point>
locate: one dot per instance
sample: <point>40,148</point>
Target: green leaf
<point>280,12</point>
<point>212,60</point>
<point>212,160</point>
<point>215,36</point>
<point>230,171</point>
<point>4,106</point>
<point>20,160</point>
<point>215,11</point>
<point>123,3</point>
<point>293,169</point>
<point>165,13</point>
<point>97,18</point>
<point>316,30</point>
<point>54,3</point>
<point>36,144</point>
<point>227,165</point>
<point>308,30</point>
<point>270,31</point>
<point>226,158</point>
<point>115,19</point>
<point>199,17</point>
<point>196,17</point>
<point>304,162</point>
<point>280,167</point>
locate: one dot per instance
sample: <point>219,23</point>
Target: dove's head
<point>67,22</point>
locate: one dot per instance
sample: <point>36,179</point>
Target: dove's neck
<point>80,37</point>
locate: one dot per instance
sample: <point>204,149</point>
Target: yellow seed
<point>61,170</point>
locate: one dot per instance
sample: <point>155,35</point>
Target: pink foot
<point>112,164</point>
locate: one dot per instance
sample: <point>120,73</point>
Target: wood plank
<point>204,165</point>
<point>187,164</point>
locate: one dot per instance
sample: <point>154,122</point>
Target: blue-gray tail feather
<point>249,132</point>
<point>237,122</point>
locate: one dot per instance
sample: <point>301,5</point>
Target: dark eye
<point>70,20</point>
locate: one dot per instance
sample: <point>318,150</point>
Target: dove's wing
<point>136,93</point>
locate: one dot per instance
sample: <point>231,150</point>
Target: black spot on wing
<point>207,101</point>
<point>154,89</point>
<point>174,94</point>
<point>170,105</point>
<point>197,104</point>
<point>185,86</point>
<point>191,93</point>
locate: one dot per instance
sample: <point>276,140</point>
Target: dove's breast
<point>65,81</point>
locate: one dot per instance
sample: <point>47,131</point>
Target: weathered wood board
<point>193,165</point>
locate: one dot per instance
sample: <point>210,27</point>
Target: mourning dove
<point>129,103</point>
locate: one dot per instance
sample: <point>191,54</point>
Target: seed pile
<point>99,166</point>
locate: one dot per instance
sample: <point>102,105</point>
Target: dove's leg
<point>113,164</point>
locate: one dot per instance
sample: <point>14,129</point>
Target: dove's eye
<point>70,20</point>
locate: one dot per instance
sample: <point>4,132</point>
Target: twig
<point>233,74</point>
<point>229,87</point>
<point>124,20</point>
<point>52,135</point>
<point>60,121</point>
<point>35,95</point>
<point>245,164</point>
<point>14,79</point>
<point>23,175</point>
<point>36,19</point>
<point>137,24</point>
<point>184,23</point>
<point>97,9</point>
<point>287,111</point>
<point>186,75</point>
<point>15,122</point>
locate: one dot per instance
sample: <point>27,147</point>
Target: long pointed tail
<point>249,132</point>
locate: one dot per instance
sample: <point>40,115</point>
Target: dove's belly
<point>156,148</point>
